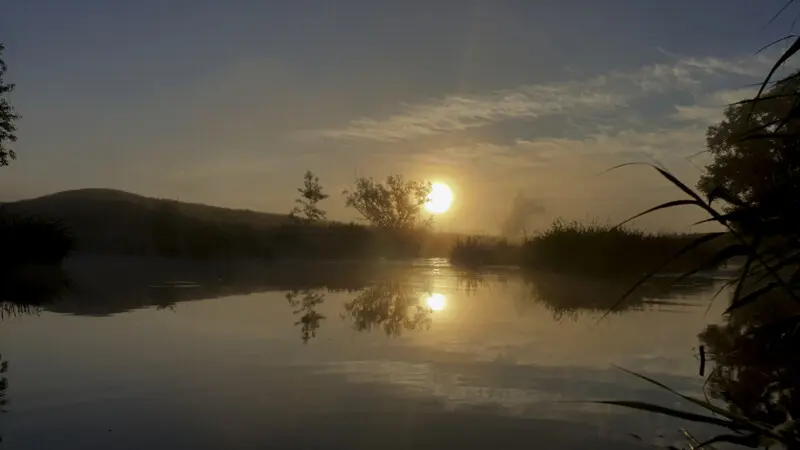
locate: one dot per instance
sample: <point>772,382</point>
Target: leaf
<point>777,14</point>
<point>718,258</point>
<point>745,423</point>
<point>649,407</point>
<point>736,304</point>
<point>746,270</point>
<point>686,249</point>
<point>725,194</point>
<point>678,183</point>
<point>751,440</point>
<point>794,48</point>
<point>671,204</point>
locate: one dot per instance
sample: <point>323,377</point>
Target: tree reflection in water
<point>305,302</point>
<point>390,305</point>
<point>24,292</point>
<point>756,364</point>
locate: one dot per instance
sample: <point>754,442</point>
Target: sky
<point>229,102</point>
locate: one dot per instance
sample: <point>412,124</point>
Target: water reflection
<point>436,301</point>
<point>305,303</point>
<point>756,364</point>
<point>391,306</point>
<point>25,291</point>
<point>479,353</point>
<point>566,296</point>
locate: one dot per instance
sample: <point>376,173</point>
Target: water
<point>191,356</point>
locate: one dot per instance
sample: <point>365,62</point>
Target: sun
<point>439,199</point>
<point>436,302</point>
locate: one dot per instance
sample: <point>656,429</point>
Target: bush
<point>475,251</point>
<point>605,249</point>
<point>28,240</point>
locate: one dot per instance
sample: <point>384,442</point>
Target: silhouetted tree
<point>7,116</point>
<point>310,194</point>
<point>397,205</point>
<point>755,148</point>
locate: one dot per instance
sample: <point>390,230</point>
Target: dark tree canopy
<point>396,205</point>
<point>310,195</point>
<point>755,149</point>
<point>7,116</point>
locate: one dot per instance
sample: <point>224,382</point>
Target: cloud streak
<point>604,93</point>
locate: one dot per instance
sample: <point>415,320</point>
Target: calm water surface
<point>158,355</point>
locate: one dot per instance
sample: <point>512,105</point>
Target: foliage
<point>311,194</point>
<point>763,221</point>
<point>33,240</point>
<point>396,205</point>
<point>756,362</point>
<point>575,247</point>
<point>750,166</point>
<point>477,251</point>
<point>597,248</point>
<point>8,116</point>
<point>744,430</point>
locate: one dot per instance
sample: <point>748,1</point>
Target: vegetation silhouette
<point>101,286</point>
<point>26,293</point>
<point>108,222</point>
<point>482,251</point>
<point>311,194</point>
<point>756,364</point>
<point>392,306</point>
<point>759,212</point>
<point>8,116</point>
<point>583,248</point>
<point>394,206</point>
<point>751,160</point>
<point>389,302</point>
<point>305,304</point>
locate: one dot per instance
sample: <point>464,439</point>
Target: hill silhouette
<point>114,221</point>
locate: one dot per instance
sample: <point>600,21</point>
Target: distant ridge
<point>109,219</point>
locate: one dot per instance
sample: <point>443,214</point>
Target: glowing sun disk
<point>439,199</point>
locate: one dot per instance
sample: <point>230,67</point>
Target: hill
<point>113,221</point>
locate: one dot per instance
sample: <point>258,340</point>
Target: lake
<point>159,354</point>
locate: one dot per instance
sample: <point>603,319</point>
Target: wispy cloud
<point>709,108</point>
<point>461,112</point>
<point>604,93</point>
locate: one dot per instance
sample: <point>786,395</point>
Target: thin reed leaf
<point>650,407</point>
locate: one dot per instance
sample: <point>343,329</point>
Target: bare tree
<point>7,117</point>
<point>396,205</point>
<point>311,194</point>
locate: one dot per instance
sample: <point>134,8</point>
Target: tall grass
<point>28,240</point>
<point>596,248</point>
<point>479,251</point>
<point>583,248</point>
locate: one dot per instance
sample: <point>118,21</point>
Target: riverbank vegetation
<point>752,190</point>
<point>584,248</point>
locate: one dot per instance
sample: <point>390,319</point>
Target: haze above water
<point>154,354</point>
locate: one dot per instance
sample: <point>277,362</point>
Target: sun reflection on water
<point>436,302</point>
